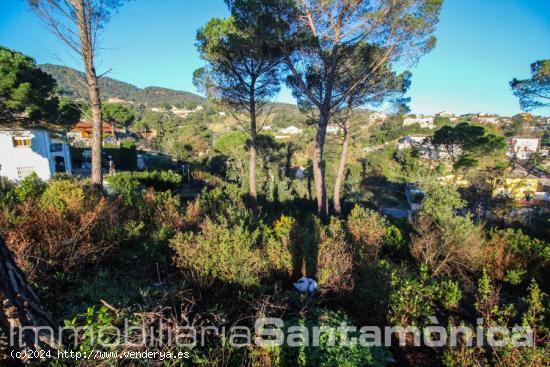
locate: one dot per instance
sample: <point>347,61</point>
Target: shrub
<point>394,243</point>
<point>126,185</point>
<point>45,241</point>
<point>488,307</point>
<point>368,230</point>
<point>278,249</point>
<point>454,250</point>
<point>373,287</point>
<point>162,209</point>
<point>225,204</point>
<point>335,262</point>
<point>64,196</point>
<point>414,299</point>
<point>30,187</point>
<point>334,348</point>
<point>219,251</point>
<point>511,253</point>
<point>159,180</point>
<point>130,185</point>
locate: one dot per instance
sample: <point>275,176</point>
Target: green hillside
<point>71,83</point>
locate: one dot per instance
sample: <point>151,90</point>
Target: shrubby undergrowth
<point>151,255</point>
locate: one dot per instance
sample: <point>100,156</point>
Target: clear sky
<point>482,45</point>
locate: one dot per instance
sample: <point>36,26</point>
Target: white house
<point>424,122</point>
<point>521,147</point>
<point>333,129</point>
<point>411,141</point>
<point>291,130</point>
<point>445,114</point>
<point>494,120</point>
<point>23,152</point>
<point>426,148</point>
<point>377,116</point>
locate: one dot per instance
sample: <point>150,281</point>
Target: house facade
<point>493,120</point>
<point>291,130</point>
<point>24,152</point>
<point>445,114</point>
<point>423,122</point>
<point>82,132</point>
<point>411,142</point>
<point>333,129</point>
<point>522,147</point>
<point>377,116</point>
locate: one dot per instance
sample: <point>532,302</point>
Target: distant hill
<point>71,83</point>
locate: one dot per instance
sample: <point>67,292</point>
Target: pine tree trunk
<point>342,164</point>
<point>22,317</point>
<point>340,171</point>
<point>87,50</point>
<point>318,170</point>
<point>252,163</point>
<point>97,129</point>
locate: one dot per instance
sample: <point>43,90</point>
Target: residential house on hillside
<point>377,116</point>
<point>542,127</point>
<point>411,142</point>
<point>487,119</point>
<point>522,186</point>
<point>82,133</point>
<point>445,114</point>
<point>118,100</point>
<point>27,151</point>
<point>521,147</point>
<point>333,129</point>
<point>423,122</point>
<point>291,130</point>
<point>426,149</point>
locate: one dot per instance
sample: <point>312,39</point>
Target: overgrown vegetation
<point>146,253</point>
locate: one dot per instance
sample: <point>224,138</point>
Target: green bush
<point>367,229</point>
<point>229,253</point>
<point>130,185</point>
<point>334,259</point>
<point>159,180</point>
<point>30,187</point>
<point>279,251</point>
<point>64,196</point>
<point>373,288</point>
<point>414,299</point>
<point>329,353</point>
<point>513,254</point>
<point>225,204</point>
<point>126,185</point>
<point>372,234</point>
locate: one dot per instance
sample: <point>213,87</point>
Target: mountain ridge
<point>71,83</point>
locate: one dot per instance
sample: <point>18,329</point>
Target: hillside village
<point>26,151</point>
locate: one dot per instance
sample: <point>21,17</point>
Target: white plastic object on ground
<point>306,285</point>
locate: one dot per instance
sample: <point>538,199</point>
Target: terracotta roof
<point>87,126</point>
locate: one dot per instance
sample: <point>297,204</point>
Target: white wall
<point>526,144</point>
<point>35,158</point>
<point>424,122</point>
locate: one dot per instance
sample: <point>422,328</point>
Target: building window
<point>56,147</point>
<point>22,142</point>
<point>23,172</point>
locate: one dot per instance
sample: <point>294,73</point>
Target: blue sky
<point>482,45</point>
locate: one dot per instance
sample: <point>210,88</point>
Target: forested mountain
<point>71,83</point>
